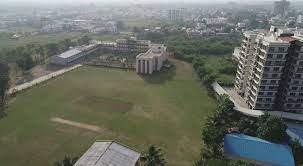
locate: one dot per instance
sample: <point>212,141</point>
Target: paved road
<point>41,79</point>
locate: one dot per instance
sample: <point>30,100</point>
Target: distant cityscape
<point>151,83</point>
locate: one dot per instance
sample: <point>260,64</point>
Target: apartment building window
<point>271,87</point>
<point>266,68</point>
<point>274,75</point>
<point>292,94</point>
<point>297,105</point>
<point>300,69</point>
<point>301,63</point>
<point>300,100</point>
<point>270,93</point>
<point>289,105</point>
<point>276,68</point>
<point>268,100</point>
<point>261,93</point>
<point>263,81</point>
<point>266,105</point>
<point>300,94</point>
<point>296,82</point>
<point>269,55</point>
<point>262,87</point>
<point>290,100</point>
<point>279,63</point>
<point>301,88</point>
<point>260,99</point>
<point>271,49</point>
<point>268,63</point>
<point>279,56</point>
<point>281,49</point>
<point>294,88</point>
<point>265,75</point>
<point>273,81</point>
<point>298,76</point>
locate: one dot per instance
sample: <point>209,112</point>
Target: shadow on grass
<point>160,77</point>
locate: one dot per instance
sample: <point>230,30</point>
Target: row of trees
<point>267,127</point>
<point>29,55</point>
<point>154,156</point>
<point>182,46</point>
<point>4,85</point>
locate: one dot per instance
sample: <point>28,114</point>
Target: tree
<point>216,126</point>
<point>297,150</point>
<point>272,129</point>
<point>4,82</point>
<point>67,161</point>
<point>52,49</point>
<point>153,157</point>
<point>25,61</point>
<point>212,137</point>
<point>84,40</point>
<point>248,126</point>
<point>65,44</point>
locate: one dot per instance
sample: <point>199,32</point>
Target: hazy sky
<point>138,1</point>
<point>129,1</point>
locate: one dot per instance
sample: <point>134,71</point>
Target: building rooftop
<point>69,53</point>
<point>271,38</point>
<point>257,150</point>
<point>133,40</point>
<point>108,153</point>
<point>287,39</point>
<point>87,47</point>
<point>155,50</point>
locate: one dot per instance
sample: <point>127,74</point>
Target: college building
<point>126,45</point>
<point>70,56</point>
<point>270,70</point>
<point>152,60</point>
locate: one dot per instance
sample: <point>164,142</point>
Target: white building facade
<point>152,60</point>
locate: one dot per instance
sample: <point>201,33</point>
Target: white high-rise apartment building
<point>270,70</point>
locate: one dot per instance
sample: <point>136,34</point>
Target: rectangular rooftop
<point>108,153</point>
<point>69,53</point>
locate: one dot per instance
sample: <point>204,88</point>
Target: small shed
<point>256,150</point>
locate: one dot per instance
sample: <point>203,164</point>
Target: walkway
<point>41,79</point>
<point>255,113</point>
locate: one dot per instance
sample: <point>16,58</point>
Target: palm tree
<point>67,161</point>
<point>153,157</point>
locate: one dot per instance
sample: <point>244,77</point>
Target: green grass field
<point>166,109</point>
<point>39,39</point>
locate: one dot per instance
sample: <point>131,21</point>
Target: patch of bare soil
<point>104,103</point>
<point>85,126</point>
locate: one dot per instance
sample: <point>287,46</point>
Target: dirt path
<point>41,79</point>
<point>77,124</point>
